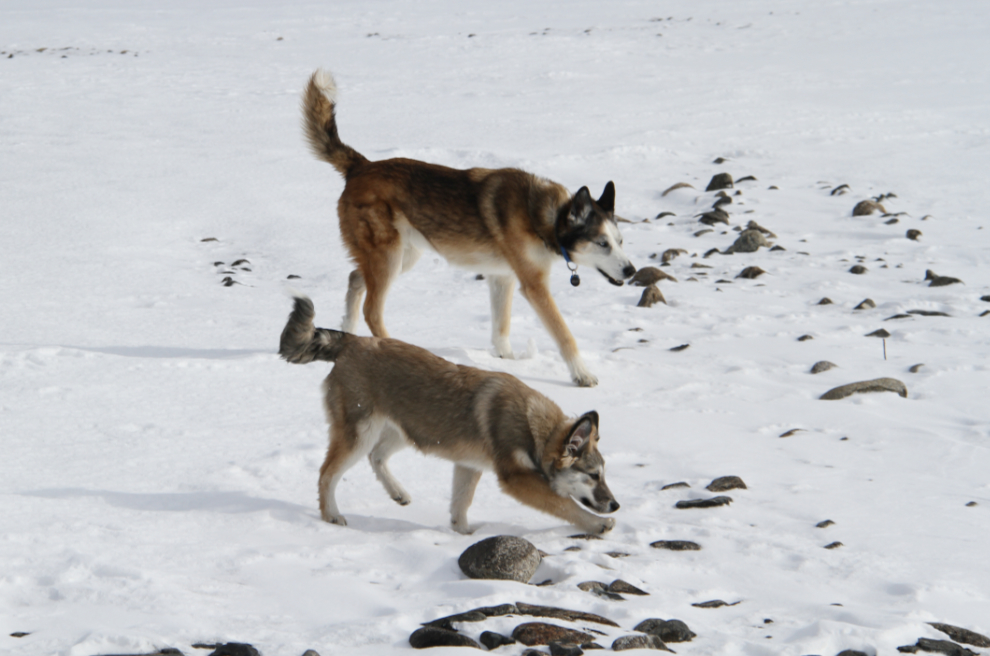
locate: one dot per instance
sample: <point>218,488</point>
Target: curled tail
<point>320,122</point>
<point>301,342</point>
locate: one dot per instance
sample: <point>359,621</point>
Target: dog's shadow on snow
<point>219,502</point>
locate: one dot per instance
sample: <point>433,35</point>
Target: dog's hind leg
<point>391,440</point>
<point>382,265</point>
<point>465,482</point>
<point>355,293</point>
<point>348,444</point>
<point>500,290</point>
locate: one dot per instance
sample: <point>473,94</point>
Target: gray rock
<point>875,385</point>
<point>235,649</point>
<point>937,647</point>
<point>704,503</point>
<point>804,338</point>
<point>679,185</point>
<point>749,241</point>
<point>562,614</point>
<point>940,281</point>
<point>913,234</point>
<point>834,545</point>
<point>858,269</point>
<point>851,652</point>
<point>648,276</point>
<point>825,523</point>
<point>431,636</point>
<point>865,304</point>
<point>841,190</point>
<point>541,633</point>
<point>867,207</point>
<point>915,368</point>
<point>678,349</point>
<point>673,485</point>
<point>651,296</point>
<point>725,483</point>
<point>711,217</point>
<point>825,301</point>
<point>822,365</point>
<point>642,641</point>
<point>492,640</point>
<point>671,253</point>
<point>666,630</point>
<point>600,589</point>
<point>715,603</point>
<point>565,649</point>
<point>751,272</point>
<point>504,557</point>
<point>793,431</point>
<point>929,313</point>
<point>676,545</point>
<point>879,333</point>
<point>720,181</point>
<point>618,586</point>
<point>962,635</point>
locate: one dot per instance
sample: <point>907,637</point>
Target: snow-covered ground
<point>158,465</point>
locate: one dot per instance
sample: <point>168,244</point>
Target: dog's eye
<point>603,243</point>
<point>594,476</point>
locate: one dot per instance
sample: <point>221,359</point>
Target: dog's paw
<point>461,527</point>
<point>503,349</point>
<point>402,499</point>
<point>602,525</point>
<point>338,520</point>
<point>585,380</point>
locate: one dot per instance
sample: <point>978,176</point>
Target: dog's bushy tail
<point>320,122</point>
<point>302,342</point>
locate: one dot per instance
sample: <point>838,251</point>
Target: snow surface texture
<point>159,463</point>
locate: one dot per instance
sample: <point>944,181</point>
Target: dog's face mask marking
<point>590,235</point>
<point>580,469</point>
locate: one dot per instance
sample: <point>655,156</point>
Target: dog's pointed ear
<point>581,434</point>
<point>607,201</point>
<point>580,207</point>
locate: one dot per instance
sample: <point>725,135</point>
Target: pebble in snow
<point>724,483</point>
<point>749,241</point>
<point>649,275</point>
<point>962,635</point>
<point>879,333</point>
<point>875,385</point>
<point>822,365</point>
<point>866,304</point>
<point>666,630</point>
<point>651,296</point>
<point>867,207</point>
<point>704,503</point>
<point>642,641</point>
<point>432,636</point>
<point>492,640</point>
<point>858,269</point>
<point>751,272</point>
<point>825,523</point>
<point>676,545</point>
<point>541,633</point>
<point>915,368</point>
<point>937,647</point>
<point>913,234</point>
<point>715,603</point>
<point>720,181</point>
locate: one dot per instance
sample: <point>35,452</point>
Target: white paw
<point>338,520</point>
<point>461,527</point>
<point>503,349</point>
<point>402,499</point>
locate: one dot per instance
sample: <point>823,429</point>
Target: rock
<point>753,225</point>
<point>724,483</point>
<point>793,431</point>
<point>704,231</point>
<point>704,503</point>
<point>968,505</point>
<point>851,652</point>
<point>504,557</point>
<point>929,313</point>
<point>875,385</point>
<point>720,181</point>
<point>879,333</point>
<point>985,299</point>
<point>671,253</point>
<point>722,199</point>
<point>834,545</point>
<point>664,214</point>
<point>677,349</point>
<point>719,160</point>
<point>670,486</point>
<point>915,368</point>
<point>749,241</point>
<point>825,523</point>
<point>679,185</point>
<point>651,296</point>
<point>562,614</point>
<point>20,634</point>
<point>867,207</point>
<point>913,234</point>
<point>825,301</point>
<point>822,365</point>
<point>431,636</point>
<point>711,217</point>
<point>676,545</point>
<point>962,635</point>
<point>840,190</point>
<point>937,647</point>
<point>778,247</point>
<point>715,603</point>
<point>565,649</point>
<point>585,536</point>
<point>235,649</point>
<point>666,630</point>
<point>648,276</point>
<point>942,281</point>
<point>804,338</point>
<point>541,633</point>
<point>865,304</point>
<point>898,316</point>
<point>858,269</point>
<point>891,221</point>
<point>709,252</point>
<point>643,641</point>
<point>448,622</point>
<point>311,652</point>
<point>492,640</point>
<point>751,272</point>
<point>600,589</point>
<point>618,586</point>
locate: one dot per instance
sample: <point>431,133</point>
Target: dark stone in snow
<point>448,622</point>
<point>673,485</point>
<point>834,545</point>
<point>720,181</point>
<point>643,641</point>
<point>875,385</point>
<point>804,338</point>
<point>565,649</point>
<point>504,557</point>
<point>492,640</point>
<point>858,269</point>
<point>704,503</point>
<point>822,365</point>
<point>431,636</point>
<point>824,523</point>
<point>724,483</point>
<point>676,545</point>
<point>651,296</point>
<point>851,652</point>
<point>666,630</point>
<point>618,586</point>
<point>562,614</point>
<point>962,635</point>
<point>937,647</point>
<point>649,275</point>
<point>879,333</point>
<point>715,603</point>
<point>541,633</point>
<point>866,303</point>
<point>749,241</point>
<point>235,649</point>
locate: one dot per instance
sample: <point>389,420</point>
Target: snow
<point>158,476</point>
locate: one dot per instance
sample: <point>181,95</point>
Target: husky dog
<point>505,223</point>
<point>383,395</point>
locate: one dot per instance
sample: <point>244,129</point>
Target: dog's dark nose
<point>628,271</point>
<point>612,507</point>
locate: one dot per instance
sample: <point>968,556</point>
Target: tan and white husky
<point>383,395</point>
<point>506,223</point>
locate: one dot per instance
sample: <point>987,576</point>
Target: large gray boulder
<point>504,557</point>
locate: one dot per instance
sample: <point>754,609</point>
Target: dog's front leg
<point>532,489</point>
<point>539,297</point>
<point>500,290</point>
<point>465,482</point>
